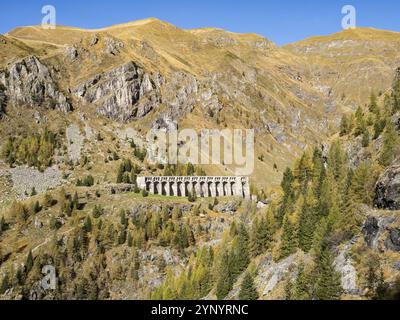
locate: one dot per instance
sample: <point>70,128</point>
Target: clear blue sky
<point>282,21</point>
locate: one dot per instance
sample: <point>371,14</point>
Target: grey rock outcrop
<point>371,231</point>
<point>374,228</point>
<point>393,240</point>
<point>3,100</point>
<point>75,141</point>
<point>123,94</point>
<point>271,273</point>
<point>94,40</point>
<point>71,53</point>
<point>165,122</point>
<point>113,46</point>
<point>28,82</point>
<point>381,232</point>
<point>388,188</point>
<point>228,207</point>
<point>181,93</point>
<point>120,188</point>
<point>344,265</point>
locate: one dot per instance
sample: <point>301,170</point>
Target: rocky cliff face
<point>388,188</point>
<point>3,99</point>
<point>129,92</point>
<point>124,93</point>
<point>393,240</point>
<point>28,82</point>
<point>382,232</point>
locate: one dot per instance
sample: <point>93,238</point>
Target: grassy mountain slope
<point>109,240</point>
<point>351,63</point>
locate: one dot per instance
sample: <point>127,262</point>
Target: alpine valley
<point>76,106</point>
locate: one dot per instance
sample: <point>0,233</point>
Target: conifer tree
<point>36,207</point>
<point>325,198</point>
<point>288,195</point>
<point>130,240</point>
<point>288,290</point>
<point>362,185</point>
<point>248,290</point>
<point>254,244</point>
<point>88,225</point>
<point>389,149</point>
<point>379,126</point>
<point>287,182</point>
<point>345,125</point>
<point>338,163</point>
<point>396,93</point>
<point>33,192</point>
<point>75,201</point>
<point>360,125</point>
<point>97,211</point>
<point>123,220</point>
<point>303,171</point>
<point>120,174</point>
<point>317,166</point>
<point>5,284</point>
<point>224,276</point>
<point>242,253</point>
<point>365,139</point>
<point>2,225</point>
<point>289,238</point>
<point>122,237</point>
<point>302,287</point>
<point>29,262</point>
<point>308,220</point>
<point>373,105</point>
<point>322,230</point>
<point>328,285</point>
<point>261,234</point>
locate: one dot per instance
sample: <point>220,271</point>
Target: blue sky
<point>282,21</point>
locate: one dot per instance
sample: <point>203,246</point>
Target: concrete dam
<point>202,186</point>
